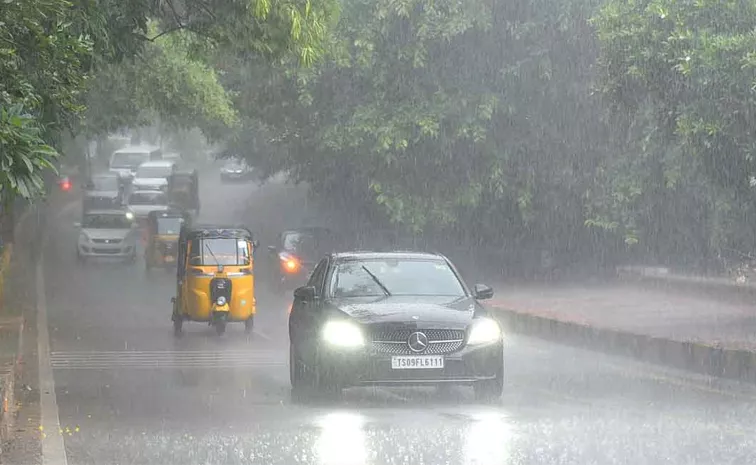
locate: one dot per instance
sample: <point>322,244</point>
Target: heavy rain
<point>368,232</point>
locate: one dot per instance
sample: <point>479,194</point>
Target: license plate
<point>411,362</point>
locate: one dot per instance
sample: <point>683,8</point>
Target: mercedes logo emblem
<point>417,342</point>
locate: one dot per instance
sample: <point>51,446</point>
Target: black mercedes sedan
<point>399,318</point>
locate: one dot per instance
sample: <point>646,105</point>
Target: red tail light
<point>65,184</point>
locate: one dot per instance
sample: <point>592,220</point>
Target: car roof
<point>106,175</point>
<point>308,229</point>
<point>148,191</point>
<point>138,149</point>
<point>371,255</point>
<point>110,211</point>
<point>158,163</point>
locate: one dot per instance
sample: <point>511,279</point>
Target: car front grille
<point>106,251</point>
<point>394,342</point>
<point>401,335</point>
<point>106,241</point>
<point>401,348</point>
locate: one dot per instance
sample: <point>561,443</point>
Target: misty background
<point>540,138</point>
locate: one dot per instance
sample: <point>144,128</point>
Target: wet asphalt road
<point>128,392</point>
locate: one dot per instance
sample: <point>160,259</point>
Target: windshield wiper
<point>377,281</point>
<point>217,263</point>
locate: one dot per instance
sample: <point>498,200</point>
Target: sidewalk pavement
<point>654,320</point>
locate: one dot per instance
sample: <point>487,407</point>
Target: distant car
<point>395,318</point>
<point>103,191</point>
<point>126,160</point>
<point>236,170</point>
<point>295,256</point>
<point>153,174</point>
<point>107,233</point>
<point>142,202</point>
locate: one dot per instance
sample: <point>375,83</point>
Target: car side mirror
<point>272,249</point>
<point>255,244</point>
<point>483,292</point>
<point>305,293</point>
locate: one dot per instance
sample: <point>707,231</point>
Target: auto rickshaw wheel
<point>178,324</point>
<point>220,327</point>
<point>249,324</point>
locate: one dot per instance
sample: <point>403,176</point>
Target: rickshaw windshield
<point>169,226</point>
<point>219,251</point>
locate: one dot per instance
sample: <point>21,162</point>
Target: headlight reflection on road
<point>489,440</point>
<point>342,440</point>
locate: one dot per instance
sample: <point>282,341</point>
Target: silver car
<point>107,233</point>
<point>142,202</point>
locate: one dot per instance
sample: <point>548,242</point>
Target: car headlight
<point>221,301</point>
<point>343,334</point>
<point>129,216</point>
<point>483,331</point>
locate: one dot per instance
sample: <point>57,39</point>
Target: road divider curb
<point>660,278</point>
<point>697,357</point>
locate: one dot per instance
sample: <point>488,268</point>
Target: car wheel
<point>489,390</point>
<point>297,375</point>
<point>80,258</point>
<point>326,383</point>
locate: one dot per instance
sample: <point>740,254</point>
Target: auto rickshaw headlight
<point>221,301</point>
<point>129,216</point>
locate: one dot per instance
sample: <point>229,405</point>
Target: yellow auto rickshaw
<point>215,280</point>
<point>161,237</point>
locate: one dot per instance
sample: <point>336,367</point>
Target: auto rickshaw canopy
<point>192,232</point>
<point>168,217</point>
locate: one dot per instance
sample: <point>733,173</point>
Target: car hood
<point>144,210</point>
<point>106,233</point>
<point>442,311</point>
<point>106,194</point>
<point>150,181</point>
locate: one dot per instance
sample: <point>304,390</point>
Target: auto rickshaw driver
<point>161,237</point>
<point>215,282</point>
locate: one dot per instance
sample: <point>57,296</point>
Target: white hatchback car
<point>107,233</point>
<point>154,174</point>
<point>142,202</point>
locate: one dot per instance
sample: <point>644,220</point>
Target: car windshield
<point>220,251</point>
<point>148,198</point>
<point>153,172</point>
<point>169,226</point>
<point>106,221</point>
<point>362,278</point>
<point>299,242</point>
<point>129,159</point>
<point>105,183</point>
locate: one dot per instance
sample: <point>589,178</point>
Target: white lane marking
<point>53,449</point>
<point>97,360</point>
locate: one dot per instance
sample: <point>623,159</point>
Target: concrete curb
<point>692,356</point>
<point>698,285</point>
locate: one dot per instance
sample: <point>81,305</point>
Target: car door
<point>304,321</point>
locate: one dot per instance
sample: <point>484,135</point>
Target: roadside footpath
<point>20,430</point>
<point>650,320</point>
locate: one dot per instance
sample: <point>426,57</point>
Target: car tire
<point>325,383</point>
<point>490,390</point>
<point>297,374</point>
<point>81,259</point>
